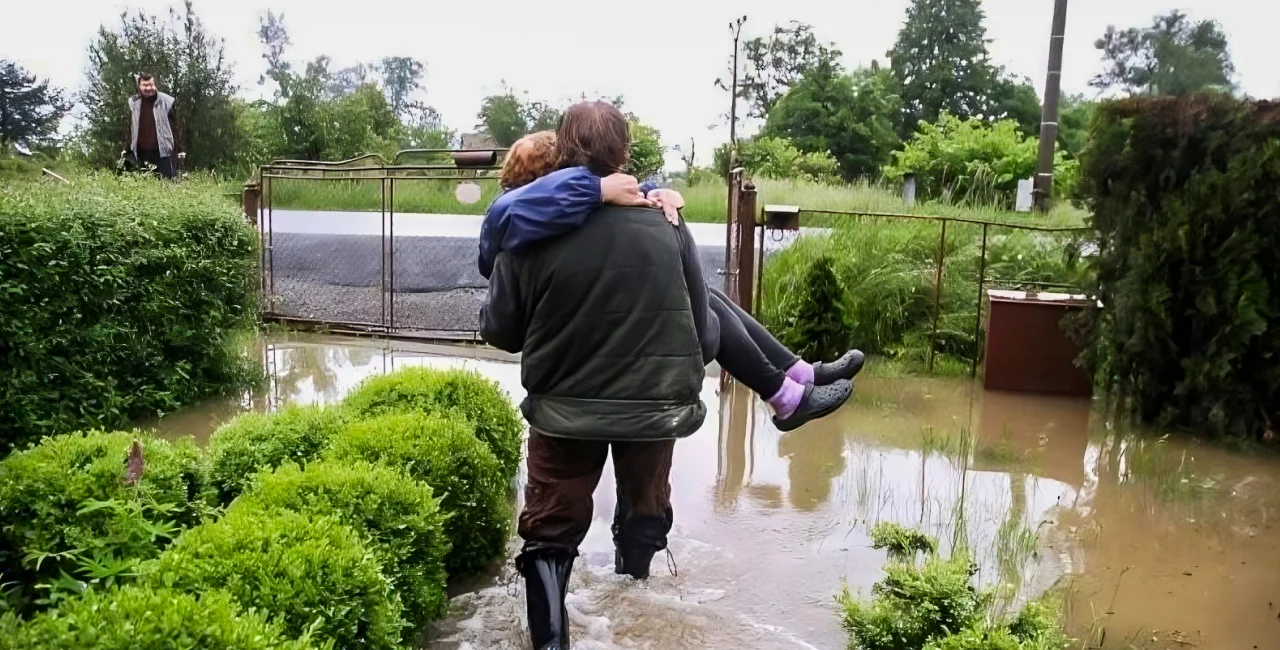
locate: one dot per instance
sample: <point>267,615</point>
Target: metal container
<point>1026,348</point>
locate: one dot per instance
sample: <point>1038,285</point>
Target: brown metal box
<point>1026,348</point>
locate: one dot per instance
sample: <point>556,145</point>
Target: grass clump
<point>398,514</point>
<point>75,513</point>
<point>138,618</point>
<point>448,393</point>
<point>933,605</point>
<point>901,541</point>
<point>446,455</point>
<point>307,573</point>
<point>254,442</point>
<point>123,297</point>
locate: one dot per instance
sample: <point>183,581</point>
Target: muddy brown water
<point>1150,542</point>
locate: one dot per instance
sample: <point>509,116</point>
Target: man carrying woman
<point>613,321</point>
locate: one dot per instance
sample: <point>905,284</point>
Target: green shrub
<point>901,541</point>
<point>820,322</point>
<point>256,441</point>
<point>480,400</point>
<point>306,573</point>
<point>1183,194</point>
<point>398,513</point>
<point>912,606</point>
<point>136,618</point>
<point>122,297</point>
<point>446,455</point>
<point>70,516</point>
<point>969,160</point>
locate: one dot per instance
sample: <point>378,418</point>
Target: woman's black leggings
<point>747,350</point>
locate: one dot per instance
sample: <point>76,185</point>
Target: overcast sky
<point>662,56</point>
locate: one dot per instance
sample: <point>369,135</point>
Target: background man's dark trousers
<point>563,474</point>
<point>149,159</point>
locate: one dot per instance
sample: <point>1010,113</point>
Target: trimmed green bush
<point>446,455</point>
<point>1183,195</point>
<point>121,297</point>
<point>137,618</point>
<point>307,573</point>
<point>933,605</point>
<point>912,606</point>
<point>66,505</point>
<point>470,394</point>
<point>397,512</point>
<point>257,441</point>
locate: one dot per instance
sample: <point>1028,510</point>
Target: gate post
<point>250,200</point>
<point>746,230</point>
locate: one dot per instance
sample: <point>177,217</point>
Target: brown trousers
<point>563,474</point>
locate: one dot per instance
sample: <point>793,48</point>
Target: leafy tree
<point>502,116</point>
<point>275,38</point>
<point>401,77</point>
<point>970,160</point>
<point>190,64</point>
<point>1075,117</point>
<point>1174,56</point>
<point>508,116</point>
<point>776,64</point>
<point>29,111</point>
<point>1017,100</point>
<point>941,62</point>
<point>647,153</point>
<point>851,117</point>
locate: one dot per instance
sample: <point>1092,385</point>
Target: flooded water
<point>1149,542</point>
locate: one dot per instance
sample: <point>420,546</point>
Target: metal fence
<point>964,246</point>
<point>399,260</point>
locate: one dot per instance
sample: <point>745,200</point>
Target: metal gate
<point>400,259</point>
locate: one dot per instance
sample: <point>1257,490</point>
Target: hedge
<point>1184,201</point>
<point>459,468</point>
<point>69,499</point>
<point>385,505</point>
<point>307,573</point>
<point>254,441</point>
<point>480,400</point>
<point>137,618</point>
<point>121,297</point>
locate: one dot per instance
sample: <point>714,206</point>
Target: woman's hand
<point>621,189</point>
<point>670,201</point>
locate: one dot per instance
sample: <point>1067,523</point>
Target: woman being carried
<point>541,202</point>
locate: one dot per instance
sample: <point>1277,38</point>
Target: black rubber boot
<point>636,539</point>
<point>818,402</point>
<point>846,367</point>
<point>546,579</point>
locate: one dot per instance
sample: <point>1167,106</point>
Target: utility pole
<point>735,28</point>
<point>1043,192</point>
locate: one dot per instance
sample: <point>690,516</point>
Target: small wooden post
<point>746,225</point>
<point>250,200</point>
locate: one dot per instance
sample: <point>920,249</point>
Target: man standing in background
<point>152,127</point>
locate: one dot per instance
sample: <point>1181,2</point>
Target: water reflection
<point>1144,536</point>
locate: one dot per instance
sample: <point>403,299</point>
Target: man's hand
<point>621,189</point>
<point>670,201</point>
